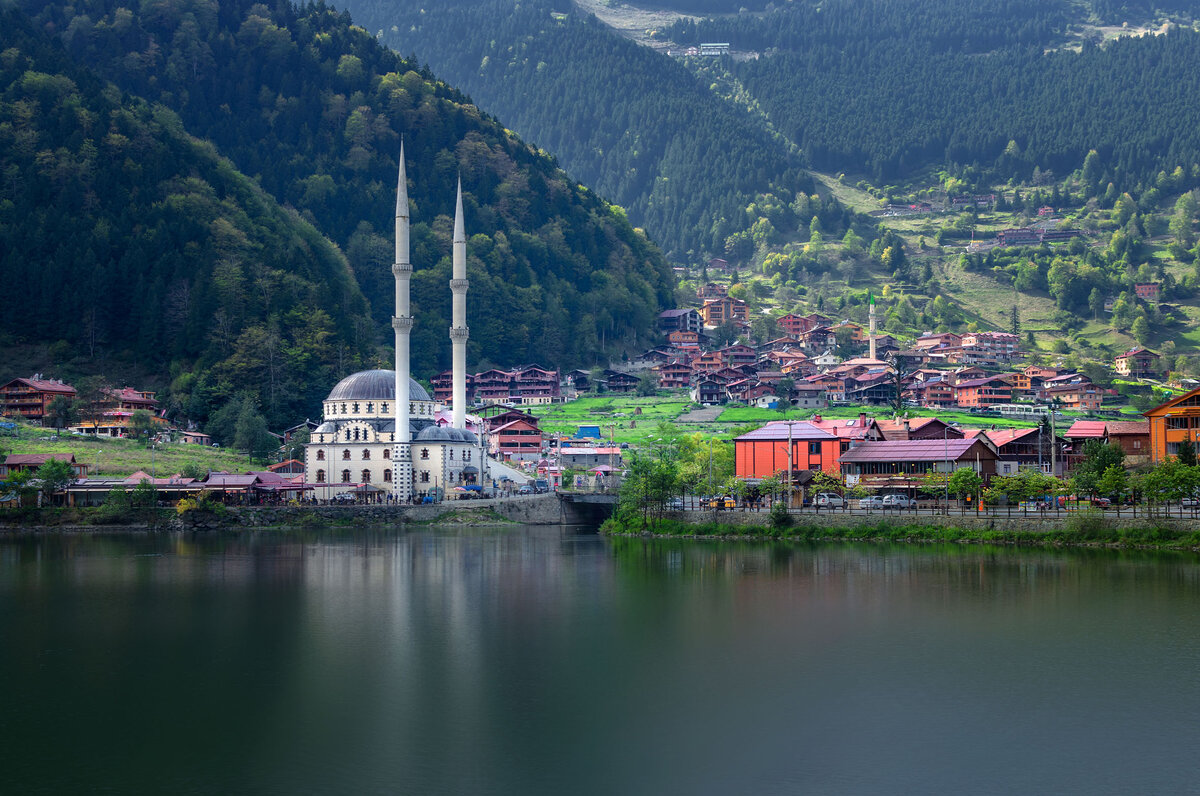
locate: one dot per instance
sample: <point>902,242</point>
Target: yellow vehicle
<point>722,502</point>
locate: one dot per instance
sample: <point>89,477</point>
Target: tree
<point>55,475</point>
<point>965,482</point>
<point>1170,480</point>
<point>93,394</point>
<point>251,434</point>
<point>1098,456</point>
<point>1186,453</point>
<point>783,392</point>
<point>61,413</point>
<point>1141,330</point>
<point>295,445</point>
<point>143,495</point>
<point>141,424</point>
<point>647,385</point>
<point>1113,483</point>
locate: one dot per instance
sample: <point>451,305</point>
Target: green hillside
<point>638,127</point>
<point>129,240</point>
<point>313,109</point>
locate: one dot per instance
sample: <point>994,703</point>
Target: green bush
<point>780,518</point>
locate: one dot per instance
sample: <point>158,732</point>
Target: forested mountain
<point>125,237</point>
<point>638,127</point>
<point>314,109</point>
<point>887,88</point>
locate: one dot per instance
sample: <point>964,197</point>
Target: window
<point>356,435</point>
<point>383,408</point>
<point>424,476</point>
<point>343,409</point>
<point>366,454</point>
<point>387,476</point>
<point>424,453</point>
<point>347,435</point>
<point>370,407</point>
<point>345,476</point>
<point>814,449</point>
<point>320,456</point>
<point>387,453</point>
<point>320,476</point>
<point>345,455</point>
<point>366,476</point>
<point>452,454</point>
<point>355,407</point>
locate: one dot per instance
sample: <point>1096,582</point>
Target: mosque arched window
<point>424,453</point>
<point>345,476</point>
<point>366,476</point>
<point>320,476</point>
<point>370,407</point>
<point>383,408</point>
<point>387,476</point>
<point>387,453</point>
<point>320,456</point>
<point>366,454</point>
<point>343,409</point>
<point>452,454</point>
<point>354,407</point>
<point>347,435</point>
<point>424,476</point>
<point>346,454</point>
<point>356,435</point>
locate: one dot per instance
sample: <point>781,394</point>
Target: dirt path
<point>707,414</point>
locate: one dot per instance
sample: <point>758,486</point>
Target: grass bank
<point>1081,531</point>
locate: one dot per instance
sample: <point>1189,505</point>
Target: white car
<point>872,502</point>
<point>898,502</point>
<point>830,499</point>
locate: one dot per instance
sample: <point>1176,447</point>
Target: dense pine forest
<point>886,89</point>
<point>637,127</point>
<point>313,110</point>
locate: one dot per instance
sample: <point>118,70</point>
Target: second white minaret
<point>402,323</point>
<point>871,333</point>
<point>458,330</point>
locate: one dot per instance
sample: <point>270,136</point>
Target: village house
<point>917,428</point>
<point>719,311</point>
<point>112,416</point>
<point>1148,291</point>
<point>764,452</point>
<point>519,439</point>
<point>707,391</point>
<point>30,462</point>
<point>674,375</point>
<point>680,320</point>
<point>1138,363</point>
<point>1132,435</point>
<point>712,290</point>
<point>903,464</point>
<point>1173,422</point>
<point>1078,397</point>
<point>30,398</point>
<point>983,392</point>
<point>684,341</point>
<point>1021,448</point>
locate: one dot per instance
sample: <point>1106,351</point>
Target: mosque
<point>380,426</point>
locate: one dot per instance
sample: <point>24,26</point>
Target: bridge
<point>587,508</point>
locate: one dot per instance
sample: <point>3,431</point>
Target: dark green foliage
<point>126,235</point>
<point>638,127</point>
<point>1098,456</point>
<point>888,88</point>
<point>169,250</point>
<point>1186,453</point>
<point>55,475</point>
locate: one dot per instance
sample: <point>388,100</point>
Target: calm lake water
<point>536,661</point>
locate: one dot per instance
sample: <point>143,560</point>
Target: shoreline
<point>1085,532</point>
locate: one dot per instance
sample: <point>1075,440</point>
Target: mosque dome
<point>374,385</point>
<point>435,434</point>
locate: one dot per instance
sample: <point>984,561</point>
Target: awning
<point>366,489</point>
<point>470,469</point>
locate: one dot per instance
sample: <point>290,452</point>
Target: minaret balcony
<point>459,285</point>
<point>404,324</point>
<point>402,270</point>
<point>459,334</point>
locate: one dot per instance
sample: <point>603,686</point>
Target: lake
<point>544,661</point>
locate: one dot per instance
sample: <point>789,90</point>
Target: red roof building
<point>903,464</point>
<point>764,451</point>
<point>30,398</point>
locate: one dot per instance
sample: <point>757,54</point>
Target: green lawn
<point>120,457</point>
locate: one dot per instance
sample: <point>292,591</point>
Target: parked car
<point>872,502</point>
<point>1190,503</point>
<point>1101,502</point>
<point>343,497</point>
<point>525,490</point>
<point>898,502</point>
<point>831,499</point>
<point>675,504</point>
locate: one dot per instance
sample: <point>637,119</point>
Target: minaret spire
<point>402,323</point>
<point>871,333</point>
<point>459,331</point>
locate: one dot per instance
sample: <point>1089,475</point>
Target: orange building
<point>30,398</point>
<point>1173,422</point>
<point>764,451</point>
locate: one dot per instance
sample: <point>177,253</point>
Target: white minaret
<point>402,323</point>
<point>459,331</point>
<point>872,332</point>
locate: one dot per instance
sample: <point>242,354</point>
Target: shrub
<point>780,518</point>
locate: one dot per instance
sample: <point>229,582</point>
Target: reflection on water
<point>539,661</point>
